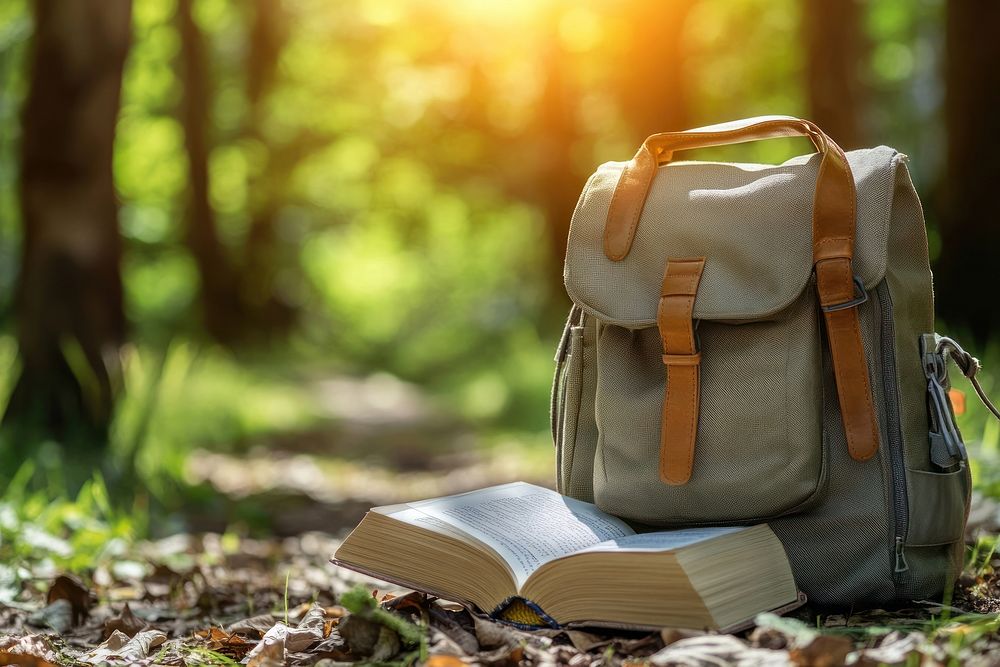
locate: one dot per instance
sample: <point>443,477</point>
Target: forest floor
<point>211,595</point>
<point>219,600</point>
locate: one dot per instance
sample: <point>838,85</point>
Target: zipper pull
<point>901,565</point>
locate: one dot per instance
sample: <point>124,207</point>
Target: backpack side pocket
<point>576,428</point>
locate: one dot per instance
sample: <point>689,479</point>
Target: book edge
<point>474,609</point>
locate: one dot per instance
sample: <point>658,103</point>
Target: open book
<point>570,562</point>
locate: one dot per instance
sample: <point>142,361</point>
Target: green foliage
<point>43,532</point>
<point>198,396</point>
<point>359,601</point>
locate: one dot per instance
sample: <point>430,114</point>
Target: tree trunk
<point>263,258</point>
<point>559,184</point>
<point>219,296</point>
<point>836,51</point>
<point>966,272</point>
<point>70,321</point>
<point>649,81</point>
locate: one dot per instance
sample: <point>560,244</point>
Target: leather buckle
<point>860,296</point>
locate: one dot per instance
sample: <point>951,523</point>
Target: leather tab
<point>682,360</point>
<point>835,284</point>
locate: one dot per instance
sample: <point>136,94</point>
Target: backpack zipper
<point>897,459</point>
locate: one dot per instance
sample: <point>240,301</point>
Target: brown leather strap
<point>833,246</point>
<point>833,211</point>
<point>850,369</point>
<point>682,360</point>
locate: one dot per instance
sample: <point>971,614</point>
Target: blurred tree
<point>268,34</point>
<point>221,310</point>
<point>70,321</point>
<point>237,293</point>
<point>648,82</point>
<point>836,49</point>
<point>556,132</point>
<point>965,275</point>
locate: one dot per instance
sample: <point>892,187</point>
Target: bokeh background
<point>266,263</point>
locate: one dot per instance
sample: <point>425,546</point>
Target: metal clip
<point>860,296</point>
<point>947,448</point>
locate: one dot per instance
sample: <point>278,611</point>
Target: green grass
<point>42,533</point>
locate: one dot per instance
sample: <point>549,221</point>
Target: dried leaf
<point>465,640</point>
<point>716,651</point>
<point>313,621</point>
<point>584,641</point>
<point>442,644</point>
<point>127,623</point>
<point>120,649</point>
<point>270,651</point>
<point>387,645</point>
<point>256,626</point>
<point>281,638</point>
<point>58,615</point>
<point>71,588</point>
<point>445,661</point>
<point>28,650</point>
<point>671,635</point>
<point>895,649</point>
<point>492,635</point>
<point>822,651</point>
<point>360,634</point>
<point>229,644</point>
<point>501,656</point>
<point>22,660</point>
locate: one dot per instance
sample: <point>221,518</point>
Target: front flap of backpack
<point>752,223</point>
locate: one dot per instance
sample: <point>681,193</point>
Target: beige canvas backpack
<point>754,343</point>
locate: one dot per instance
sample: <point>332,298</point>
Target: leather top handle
<point>840,292</point>
<point>833,210</point>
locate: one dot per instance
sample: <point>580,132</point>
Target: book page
<point>525,524</point>
<point>664,540</point>
<point>414,516</point>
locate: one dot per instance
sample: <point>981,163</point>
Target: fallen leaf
<point>822,651</point>
<point>229,644</point>
<point>360,634</point>
<point>441,644</point>
<point>445,661</point>
<point>22,660</point>
<point>387,646</point>
<point>27,650</point>
<point>270,651</point>
<point>71,588</point>
<point>120,649</point>
<point>314,621</point>
<point>368,639</point>
<point>255,626</point>
<point>58,615</point>
<point>895,649</point>
<point>163,581</point>
<point>281,638</point>
<point>465,640</point>
<point>584,641</point>
<point>126,622</point>
<point>492,635</point>
<point>716,651</point>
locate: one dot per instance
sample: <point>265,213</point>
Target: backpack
<point>754,343</point>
